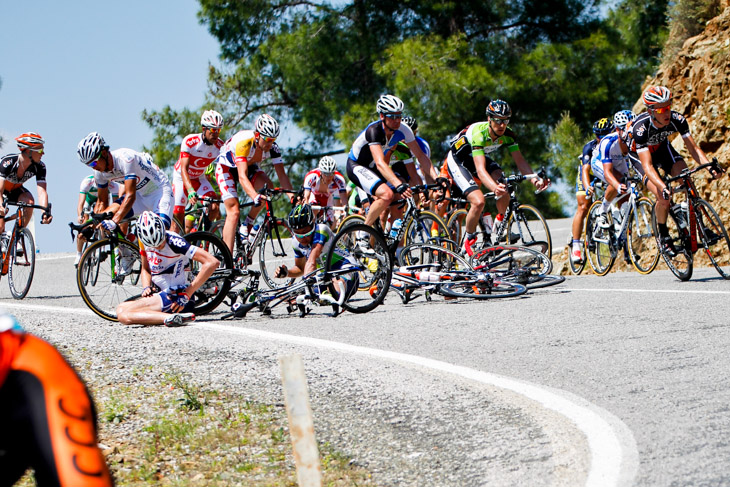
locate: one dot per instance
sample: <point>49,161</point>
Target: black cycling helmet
<point>411,122</point>
<point>499,109</point>
<point>603,127</point>
<point>301,216</point>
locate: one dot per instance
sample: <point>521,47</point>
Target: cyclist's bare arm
<point>428,170</point>
<point>650,171</point>
<point>208,265</point>
<point>130,189</point>
<point>102,199</point>
<point>299,264</point>
<point>382,165</point>
<point>697,154</point>
<point>80,208</point>
<point>524,167</point>
<point>480,163</point>
<point>611,178</point>
<point>43,201</point>
<point>311,264</point>
<point>145,278</point>
<point>284,181</point>
<point>187,183</point>
<point>248,188</point>
<point>585,170</point>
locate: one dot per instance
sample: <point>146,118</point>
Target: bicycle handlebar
<point>688,172</point>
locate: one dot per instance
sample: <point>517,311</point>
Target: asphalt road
<point>620,380</point>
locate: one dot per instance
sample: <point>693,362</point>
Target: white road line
<point>664,291</point>
<point>614,457</point>
<point>55,257</point>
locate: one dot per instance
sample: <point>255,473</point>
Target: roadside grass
<point>164,430</point>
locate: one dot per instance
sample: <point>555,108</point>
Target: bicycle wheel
<point>577,268</point>
<point>456,224</point>
<point>528,223</point>
<point>714,237</point>
<point>274,251</point>
<point>349,220</point>
<point>22,263</point>
<point>114,284</point>
<point>598,242</point>
<point>215,289</point>
<point>681,264</point>
<point>483,288</point>
<point>427,227</point>
<point>643,250</point>
<point>177,226</point>
<point>434,258</point>
<point>216,228</point>
<point>513,263</point>
<point>362,251</point>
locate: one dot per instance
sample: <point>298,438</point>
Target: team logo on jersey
<point>192,141</point>
<point>640,130</point>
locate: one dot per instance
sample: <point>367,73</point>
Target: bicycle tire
<point>456,224</point>
<point>598,248</point>
<point>528,222</point>
<point>514,263</point>
<point>215,289</point>
<point>180,226</point>
<point>434,258</point>
<point>641,240</point>
<point>474,289</point>
<point>111,289</point>
<point>349,220</point>
<point>681,264</point>
<point>372,259</point>
<point>272,254</point>
<point>717,248</point>
<point>426,227</point>
<point>576,268</point>
<point>22,263</point>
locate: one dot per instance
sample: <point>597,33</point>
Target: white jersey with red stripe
<point>201,154</point>
<point>312,182</point>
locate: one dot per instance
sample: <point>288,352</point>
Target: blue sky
<point>69,68</point>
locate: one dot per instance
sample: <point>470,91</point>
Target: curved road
<point>618,380</point>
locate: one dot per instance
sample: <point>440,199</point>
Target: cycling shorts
<point>227,178</point>
<point>14,195</point>
<point>49,420</point>
<point>201,185</point>
<point>367,179</point>
<point>463,179</point>
<point>665,157</point>
<point>167,302</point>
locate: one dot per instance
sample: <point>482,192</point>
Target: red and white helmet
<point>150,229</point>
<point>267,126</point>
<point>656,95</point>
<point>211,119</point>
<point>30,140</point>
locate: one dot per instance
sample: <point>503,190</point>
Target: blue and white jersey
<point>129,164</point>
<point>375,134</point>
<point>167,265</point>
<point>608,151</point>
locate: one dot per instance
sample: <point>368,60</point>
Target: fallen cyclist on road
<point>165,255</point>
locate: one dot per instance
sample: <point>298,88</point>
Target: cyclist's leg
<point>180,199</point>
<point>26,196</point>
<point>49,407</point>
<point>227,178</point>
<point>464,180</point>
<point>259,179</point>
<point>671,163</point>
<point>374,185</point>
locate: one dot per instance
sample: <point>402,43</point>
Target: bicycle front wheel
<point>22,263</point>
<point>275,250</point>
<point>118,265</point>
<point>527,227</point>
<point>427,227</point>
<point>714,237</point>
<point>360,252</point>
<point>643,249</point>
<point>215,289</point>
<point>681,264</point>
<point>350,220</point>
<point>483,289</point>
<point>598,242</point>
<point>513,263</point>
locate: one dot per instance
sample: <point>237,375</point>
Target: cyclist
<point>197,152</point>
<point>368,161</point>
<point>610,163</point>
<point>49,420</point>
<point>88,194</point>
<point>650,132</point>
<point>165,256</point>
<point>469,165</point>
<point>238,162</point>
<point>583,188</point>
<point>320,186</point>
<point>311,243</point>
<point>403,153</point>
<point>16,169</point>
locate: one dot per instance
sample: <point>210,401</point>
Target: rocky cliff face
<point>699,77</point>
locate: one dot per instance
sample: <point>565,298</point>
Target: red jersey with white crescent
<point>312,182</point>
<point>201,154</point>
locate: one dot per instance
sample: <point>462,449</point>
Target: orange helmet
<point>656,95</point>
<point>30,140</point>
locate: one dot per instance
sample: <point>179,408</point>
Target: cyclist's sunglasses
<point>303,235</point>
<point>662,110</point>
<point>266,139</point>
<point>40,151</point>
<point>215,131</point>
<point>501,121</point>
<point>95,162</point>
<point>394,116</point>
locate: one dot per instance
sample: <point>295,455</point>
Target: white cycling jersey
<point>608,151</point>
<point>167,265</point>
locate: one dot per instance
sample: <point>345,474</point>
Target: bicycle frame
<point>617,238</point>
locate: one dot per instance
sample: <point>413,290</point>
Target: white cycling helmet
<point>389,104</point>
<point>327,165</point>
<point>90,147</point>
<point>267,126</point>
<point>211,119</point>
<point>623,117</point>
<point>150,229</point>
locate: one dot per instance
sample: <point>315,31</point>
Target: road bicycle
<point>201,214</point>
<point>629,228</point>
<point>528,266</point>
<point>524,225</point>
<point>577,267</point>
<point>346,260</point>
<point>435,269</point>
<point>17,251</point>
<point>694,224</point>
